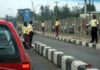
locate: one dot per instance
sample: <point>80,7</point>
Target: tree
<point>90,7</point>
<point>65,12</point>
<point>56,11</point>
<point>76,11</point>
<point>42,13</point>
<point>46,13</point>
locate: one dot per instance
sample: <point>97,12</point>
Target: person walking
<point>30,29</point>
<point>25,33</point>
<point>57,23</point>
<point>94,27</point>
<point>43,25</point>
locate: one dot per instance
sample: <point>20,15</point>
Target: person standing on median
<point>94,27</point>
<point>30,29</point>
<point>43,25</point>
<point>57,24</point>
<point>25,33</point>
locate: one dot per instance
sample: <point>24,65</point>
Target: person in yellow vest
<point>94,27</point>
<point>57,24</point>
<point>25,33</point>
<point>30,29</point>
<point>43,25</point>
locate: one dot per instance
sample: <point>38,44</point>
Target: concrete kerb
<point>73,41</point>
<point>60,38</point>
<point>62,61</point>
<point>36,42</point>
<point>53,37</point>
<point>57,38</point>
<point>45,53</point>
<point>90,45</point>
<point>41,48</point>
<point>38,45</point>
<point>84,43</point>
<point>76,64</point>
<point>56,57</point>
<point>63,39</point>
<point>98,46</point>
<point>49,53</point>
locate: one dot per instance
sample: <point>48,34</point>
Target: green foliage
<point>46,13</point>
<point>61,13</point>
<point>65,12</point>
<point>90,7</point>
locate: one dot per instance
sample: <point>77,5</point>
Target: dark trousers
<point>43,30</point>
<point>94,34</point>
<point>30,38</point>
<point>57,30</point>
<point>25,36</point>
<point>26,40</point>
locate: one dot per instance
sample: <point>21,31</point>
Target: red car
<point>12,54</point>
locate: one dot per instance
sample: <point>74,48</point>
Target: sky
<point>10,7</point>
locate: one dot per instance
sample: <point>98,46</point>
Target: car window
<point>8,46</point>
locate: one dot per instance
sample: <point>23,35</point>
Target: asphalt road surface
<point>86,54</point>
<point>38,62</point>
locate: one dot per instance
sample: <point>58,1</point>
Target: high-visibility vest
<point>94,23</point>
<point>43,24</point>
<point>25,30</point>
<point>57,23</point>
<point>30,28</point>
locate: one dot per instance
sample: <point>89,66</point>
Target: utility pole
<point>85,11</point>
<point>67,2</point>
<point>90,9</point>
<point>33,8</point>
<point>56,3</point>
<point>56,8</point>
<point>32,5</point>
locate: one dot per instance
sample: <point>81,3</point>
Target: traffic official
<point>94,26</point>
<point>43,25</point>
<point>30,29</point>
<point>57,24</point>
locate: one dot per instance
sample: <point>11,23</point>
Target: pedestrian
<point>43,25</point>
<point>30,29</point>
<point>94,27</point>
<point>57,24</point>
<point>25,34</point>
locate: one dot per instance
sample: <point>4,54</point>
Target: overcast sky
<point>10,7</point>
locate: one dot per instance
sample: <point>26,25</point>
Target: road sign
<point>27,15</point>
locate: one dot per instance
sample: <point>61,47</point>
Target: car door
<point>9,53</point>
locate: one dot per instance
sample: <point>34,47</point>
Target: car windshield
<point>8,47</point>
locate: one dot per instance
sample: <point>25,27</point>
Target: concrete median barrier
<point>64,62</point>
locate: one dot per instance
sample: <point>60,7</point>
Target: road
<point>38,62</point>
<point>86,54</point>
